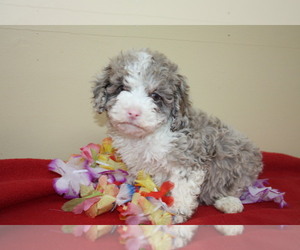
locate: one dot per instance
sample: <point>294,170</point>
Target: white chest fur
<point>151,153</point>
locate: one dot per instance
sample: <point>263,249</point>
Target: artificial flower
<point>140,211</point>
<point>73,175</point>
<point>125,194</point>
<point>132,212</point>
<point>78,205</point>
<point>145,182</point>
<point>104,205</point>
<point>90,152</point>
<point>106,146</point>
<point>110,163</point>
<point>95,171</point>
<point>94,201</point>
<point>156,215</point>
<point>258,193</point>
<point>117,176</point>
<point>165,188</point>
<point>109,192</point>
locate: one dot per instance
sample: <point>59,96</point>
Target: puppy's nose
<point>133,113</point>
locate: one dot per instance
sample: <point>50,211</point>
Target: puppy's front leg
<point>186,190</point>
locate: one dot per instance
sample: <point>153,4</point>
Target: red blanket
<point>27,197</point>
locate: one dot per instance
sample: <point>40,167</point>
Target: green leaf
<point>94,154</point>
<point>93,194</point>
<point>86,190</point>
<point>69,205</point>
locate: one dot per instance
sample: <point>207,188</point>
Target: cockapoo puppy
<point>155,128</point>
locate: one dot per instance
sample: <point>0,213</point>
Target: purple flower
<point>73,174</point>
<point>95,172</point>
<point>258,193</point>
<point>117,176</point>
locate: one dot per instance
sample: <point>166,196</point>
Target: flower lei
<point>95,183</point>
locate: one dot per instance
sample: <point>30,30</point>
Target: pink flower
<point>85,205</point>
<point>90,152</point>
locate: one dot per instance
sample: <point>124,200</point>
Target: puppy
<point>155,128</point>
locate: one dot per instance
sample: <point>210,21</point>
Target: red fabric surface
<point>27,197</point>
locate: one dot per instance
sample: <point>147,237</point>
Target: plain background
<point>249,76</point>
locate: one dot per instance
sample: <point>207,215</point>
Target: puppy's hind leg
<point>229,205</point>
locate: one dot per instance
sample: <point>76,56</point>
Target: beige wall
<point>249,76</point>
<point>153,12</point>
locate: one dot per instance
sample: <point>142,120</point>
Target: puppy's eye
<point>156,97</point>
<point>121,88</point>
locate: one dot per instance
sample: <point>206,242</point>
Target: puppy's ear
<point>100,94</point>
<point>181,104</point>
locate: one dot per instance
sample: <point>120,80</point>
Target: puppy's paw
<point>181,213</point>
<point>179,218</point>
<point>229,205</point>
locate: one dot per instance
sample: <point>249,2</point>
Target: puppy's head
<point>141,90</point>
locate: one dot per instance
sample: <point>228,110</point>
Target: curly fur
<point>155,128</point>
